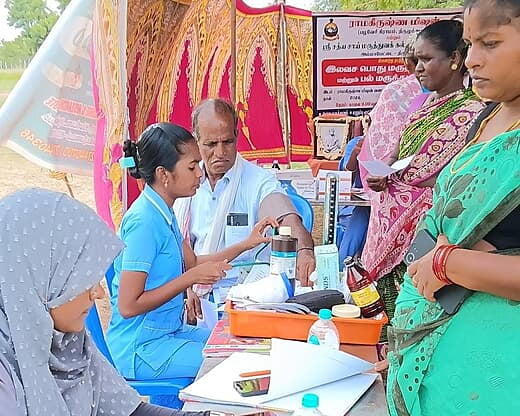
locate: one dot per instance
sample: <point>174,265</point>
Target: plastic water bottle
<point>323,332</point>
<point>310,404</point>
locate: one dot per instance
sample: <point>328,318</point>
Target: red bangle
<point>437,265</point>
<point>440,259</point>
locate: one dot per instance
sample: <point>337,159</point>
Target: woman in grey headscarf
<point>53,253</point>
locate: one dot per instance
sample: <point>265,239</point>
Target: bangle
<point>440,259</point>
<point>305,248</point>
<point>439,263</point>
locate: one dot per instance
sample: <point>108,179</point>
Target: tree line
<point>34,20</point>
<point>338,5</point>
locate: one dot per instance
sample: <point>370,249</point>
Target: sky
<point>8,33</point>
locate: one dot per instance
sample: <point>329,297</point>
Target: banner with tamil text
<point>356,54</point>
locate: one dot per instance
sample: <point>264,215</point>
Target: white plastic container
<point>323,332</point>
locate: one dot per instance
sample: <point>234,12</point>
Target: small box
<point>345,182</point>
<point>327,266</point>
<point>305,187</point>
<point>294,174</point>
<point>301,180</point>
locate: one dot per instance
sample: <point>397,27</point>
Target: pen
<point>255,373</point>
<point>273,409</point>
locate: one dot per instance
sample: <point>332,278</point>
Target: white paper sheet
<point>380,168</point>
<point>336,398</point>
<point>257,272</point>
<point>209,314</point>
<point>217,385</point>
<point>296,368</point>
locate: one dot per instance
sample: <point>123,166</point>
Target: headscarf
<point>52,249</point>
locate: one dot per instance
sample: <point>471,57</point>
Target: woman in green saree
<point>465,364</point>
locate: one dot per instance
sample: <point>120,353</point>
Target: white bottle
<point>310,403</point>
<point>283,254</point>
<point>323,332</point>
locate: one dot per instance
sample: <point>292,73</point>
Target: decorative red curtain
<point>179,54</point>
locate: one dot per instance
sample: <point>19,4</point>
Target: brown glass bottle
<point>362,289</point>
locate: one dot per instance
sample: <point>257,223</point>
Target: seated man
<point>232,185</point>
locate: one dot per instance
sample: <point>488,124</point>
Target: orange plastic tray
<point>264,324</point>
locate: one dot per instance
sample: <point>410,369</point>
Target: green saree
<point>466,364</point>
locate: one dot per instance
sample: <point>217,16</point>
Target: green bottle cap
<point>310,401</point>
<point>314,340</point>
<point>325,314</point>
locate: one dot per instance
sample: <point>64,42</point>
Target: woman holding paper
<point>389,115</point>
<point>434,134</point>
<point>464,363</point>
<point>147,336</point>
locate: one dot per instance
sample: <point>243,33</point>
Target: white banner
<point>356,54</point>
<point>49,117</point>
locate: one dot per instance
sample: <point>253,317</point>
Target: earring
<point>93,292</point>
<point>454,67</point>
<point>166,184</point>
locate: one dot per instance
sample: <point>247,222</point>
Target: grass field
<point>8,79</point>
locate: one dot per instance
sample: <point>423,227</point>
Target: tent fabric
<point>178,54</point>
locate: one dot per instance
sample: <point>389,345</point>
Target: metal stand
<point>330,208</point>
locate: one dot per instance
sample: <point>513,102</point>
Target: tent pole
<point>283,99</point>
<point>233,52</point>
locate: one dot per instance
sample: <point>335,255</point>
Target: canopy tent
<point>177,54</point>
<point>111,67</point>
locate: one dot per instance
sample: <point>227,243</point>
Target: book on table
<point>222,344</point>
<point>338,378</point>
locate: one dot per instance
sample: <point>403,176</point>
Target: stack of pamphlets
<point>222,344</point>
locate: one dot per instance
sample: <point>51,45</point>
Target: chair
<point>304,208</point>
<point>152,387</point>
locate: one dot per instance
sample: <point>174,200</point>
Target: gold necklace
<point>484,123</point>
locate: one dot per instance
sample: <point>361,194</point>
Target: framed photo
<point>331,139</point>
<point>332,133</point>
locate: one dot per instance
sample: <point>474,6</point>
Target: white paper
<point>360,193</point>
<point>380,168</point>
<point>258,272</point>
<point>209,314</point>
<point>296,368</point>
<point>345,181</point>
<point>216,386</point>
<point>336,398</point>
<point>221,288</point>
<point>301,180</point>
<point>402,163</point>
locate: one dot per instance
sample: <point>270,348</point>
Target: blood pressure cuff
<point>319,299</point>
<point>276,205</point>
